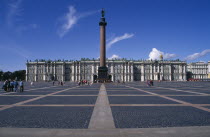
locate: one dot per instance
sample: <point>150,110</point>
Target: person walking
<point>151,82</point>
<point>15,86</point>
<point>12,85</point>
<point>8,86</point>
<point>32,83</point>
<point>21,86</point>
<point>53,83</point>
<point>148,83</point>
<point>5,85</point>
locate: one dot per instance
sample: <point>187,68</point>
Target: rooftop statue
<point>102,13</point>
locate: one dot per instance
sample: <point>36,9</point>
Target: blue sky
<point>137,29</point>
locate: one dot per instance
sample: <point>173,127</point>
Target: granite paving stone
<point>46,117</point>
<point>7,100</point>
<point>207,107</point>
<point>147,117</point>
<point>78,93</point>
<point>194,99</point>
<point>126,92</point>
<point>32,93</point>
<point>66,100</point>
<point>172,93</point>
<point>139,100</point>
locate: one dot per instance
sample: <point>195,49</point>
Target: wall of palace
<point>121,70</point>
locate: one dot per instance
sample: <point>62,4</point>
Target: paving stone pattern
<point>61,111</point>
<point>147,117</point>
<point>194,99</point>
<point>46,117</point>
<point>66,100</point>
<point>139,100</point>
<point>7,100</point>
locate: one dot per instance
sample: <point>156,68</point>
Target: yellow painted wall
<point>209,75</point>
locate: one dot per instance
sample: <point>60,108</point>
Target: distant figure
<point>32,83</point>
<point>148,83</point>
<point>5,85</point>
<point>151,82</point>
<point>21,86</point>
<point>53,83</point>
<point>61,83</point>
<point>15,86</point>
<point>8,85</point>
<point>11,85</point>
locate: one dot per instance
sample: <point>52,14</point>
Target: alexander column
<point>102,70</point>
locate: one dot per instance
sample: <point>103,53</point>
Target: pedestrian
<point>5,85</point>
<point>8,86</point>
<point>11,85</point>
<point>151,82</point>
<point>32,83</point>
<point>21,86</point>
<point>53,83</point>
<point>148,83</point>
<point>61,83</point>
<point>15,86</point>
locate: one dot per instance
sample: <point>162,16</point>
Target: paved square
<point>194,99</point>
<point>169,92</point>
<point>147,117</point>
<point>46,117</point>
<point>7,100</point>
<point>110,106</point>
<point>66,100</point>
<point>139,100</point>
<point>133,92</point>
<point>79,92</point>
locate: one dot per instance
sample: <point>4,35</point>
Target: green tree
<point>19,75</point>
<point>7,75</point>
<point>1,75</point>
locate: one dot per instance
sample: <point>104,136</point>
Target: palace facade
<point>118,70</point>
<point>198,70</point>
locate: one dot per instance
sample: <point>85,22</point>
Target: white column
<point>170,72</point>
<point>79,71</point>
<point>112,72</point>
<point>184,72</point>
<point>131,72</point>
<point>35,73</point>
<point>151,71</point>
<point>54,72</point>
<point>125,74</point>
<point>27,72</point>
<point>76,72</point>
<point>162,72</point>
<point>93,71</point>
<point>142,72</point>
<point>72,72</point>
<point>63,72</point>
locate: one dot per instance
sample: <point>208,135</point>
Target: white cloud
<point>70,19</point>
<point>197,55</point>
<point>119,38</point>
<point>13,12</point>
<point>114,56</point>
<point>155,54</point>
